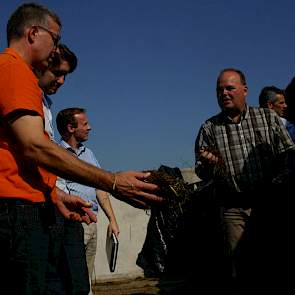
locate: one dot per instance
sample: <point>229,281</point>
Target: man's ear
<point>246,89</point>
<point>31,34</point>
<point>70,128</point>
<point>269,104</point>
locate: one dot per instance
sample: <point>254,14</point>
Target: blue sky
<point>147,68</point>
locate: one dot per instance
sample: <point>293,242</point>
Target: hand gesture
<point>74,208</point>
<point>131,188</point>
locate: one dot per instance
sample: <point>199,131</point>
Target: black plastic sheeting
<point>182,242</point>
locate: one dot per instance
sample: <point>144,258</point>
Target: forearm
<point>62,163</point>
<point>60,193</point>
<point>31,144</point>
<point>35,147</point>
<point>204,166</point>
<point>105,204</point>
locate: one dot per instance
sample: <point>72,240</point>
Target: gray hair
<point>26,15</point>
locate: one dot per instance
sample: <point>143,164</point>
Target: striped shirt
<point>86,192</point>
<point>250,149</point>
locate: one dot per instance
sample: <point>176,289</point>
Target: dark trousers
<point>67,271</point>
<point>77,280</point>
<point>55,284</point>
<point>23,247</point>
<point>39,255</point>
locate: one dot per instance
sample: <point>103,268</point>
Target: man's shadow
<point>266,251</point>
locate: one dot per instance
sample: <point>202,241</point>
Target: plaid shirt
<point>250,149</point>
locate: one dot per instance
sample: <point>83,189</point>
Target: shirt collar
<point>244,115</point>
<point>81,147</point>
<point>47,100</point>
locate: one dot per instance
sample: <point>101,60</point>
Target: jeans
<point>67,270</point>
<point>74,268</point>
<point>55,284</point>
<point>23,247</point>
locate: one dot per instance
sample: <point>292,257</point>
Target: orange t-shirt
<point>20,178</point>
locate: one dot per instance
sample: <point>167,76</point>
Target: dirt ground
<point>136,286</point>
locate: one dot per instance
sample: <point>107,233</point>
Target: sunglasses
<point>55,37</point>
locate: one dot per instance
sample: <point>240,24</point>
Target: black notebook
<point>112,245</point>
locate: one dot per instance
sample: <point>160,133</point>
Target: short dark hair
<point>268,93</point>
<point>239,72</point>
<point>69,56</point>
<point>28,14</point>
<point>64,54</point>
<point>67,116</point>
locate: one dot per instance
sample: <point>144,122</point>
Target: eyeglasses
<point>55,37</point>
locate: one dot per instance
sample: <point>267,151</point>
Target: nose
<point>54,50</point>
<point>222,92</point>
<point>61,80</point>
<point>225,92</point>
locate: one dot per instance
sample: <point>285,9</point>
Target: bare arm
<point>105,204</point>
<point>130,186</point>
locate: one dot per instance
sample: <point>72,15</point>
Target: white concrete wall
<point>133,225</point>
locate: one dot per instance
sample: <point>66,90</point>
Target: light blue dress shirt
<point>86,192</point>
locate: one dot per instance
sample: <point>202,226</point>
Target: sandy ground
<point>127,286</point>
<point>136,286</point>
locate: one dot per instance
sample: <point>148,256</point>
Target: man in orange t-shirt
<point>20,178</point>
<point>28,157</point>
<point>24,185</point>
<point>27,190</point>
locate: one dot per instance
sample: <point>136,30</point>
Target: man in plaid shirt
<point>253,147</point>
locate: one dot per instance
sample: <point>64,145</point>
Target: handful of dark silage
<point>219,167</point>
<point>173,188</point>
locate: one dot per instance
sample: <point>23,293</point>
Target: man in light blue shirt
<point>74,128</point>
<point>273,98</point>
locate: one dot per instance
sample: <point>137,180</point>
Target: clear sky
<point>147,68</point>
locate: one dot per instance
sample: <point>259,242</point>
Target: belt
<point>30,211</point>
<point>21,202</point>
<point>237,200</point>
